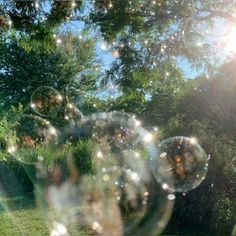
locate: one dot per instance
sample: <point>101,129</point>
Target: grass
<point>19,216</point>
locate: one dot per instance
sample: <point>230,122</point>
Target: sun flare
<point>231,40</point>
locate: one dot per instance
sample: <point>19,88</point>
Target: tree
<point>152,34</point>
<point>145,33</point>
<point>24,67</point>
<point>204,109</point>
<point>149,38</point>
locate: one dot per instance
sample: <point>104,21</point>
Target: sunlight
<point>231,40</point>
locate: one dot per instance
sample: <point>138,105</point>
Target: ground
<point>19,216</point>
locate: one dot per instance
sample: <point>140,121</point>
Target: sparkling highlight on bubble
<point>148,137</point>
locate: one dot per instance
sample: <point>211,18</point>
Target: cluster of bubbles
<point>103,173</point>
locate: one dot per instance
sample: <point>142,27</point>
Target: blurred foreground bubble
<point>98,179</point>
<point>187,162</point>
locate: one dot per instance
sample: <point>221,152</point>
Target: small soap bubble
<point>187,162</point>
<point>47,101</point>
<point>101,7</point>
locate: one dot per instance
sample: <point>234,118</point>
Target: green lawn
<point>19,216</point>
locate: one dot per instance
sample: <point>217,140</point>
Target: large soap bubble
<point>32,134</point>
<point>187,162</point>
<point>100,181</point>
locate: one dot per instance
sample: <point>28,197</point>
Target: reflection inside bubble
<point>46,101</point>
<point>187,162</point>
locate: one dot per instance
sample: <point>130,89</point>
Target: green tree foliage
<point>156,34</point>
<point>204,109</point>
<point>7,118</point>
<point>24,67</point>
<point>150,38</point>
<point>25,15</point>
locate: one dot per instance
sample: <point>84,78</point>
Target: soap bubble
<point>101,7</point>
<point>187,162</point>
<point>233,164</point>
<point>47,102</point>
<point>100,182</point>
<point>32,133</point>
<point>72,113</point>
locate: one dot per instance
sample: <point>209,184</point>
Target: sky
<point>104,53</point>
